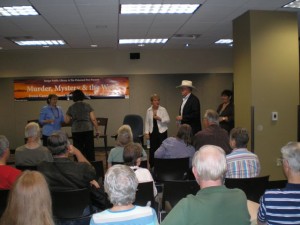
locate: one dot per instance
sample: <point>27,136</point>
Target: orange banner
<point>93,88</point>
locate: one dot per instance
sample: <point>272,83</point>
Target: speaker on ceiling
<point>134,55</point>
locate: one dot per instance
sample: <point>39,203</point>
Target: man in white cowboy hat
<point>189,111</point>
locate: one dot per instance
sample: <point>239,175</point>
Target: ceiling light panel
<point>39,42</point>
<point>293,4</point>
<point>144,41</point>
<point>158,8</point>
<point>18,11</point>
<point>224,41</point>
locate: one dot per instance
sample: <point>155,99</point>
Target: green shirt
<point>211,206</point>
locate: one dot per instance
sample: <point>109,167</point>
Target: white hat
<point>186,83</point>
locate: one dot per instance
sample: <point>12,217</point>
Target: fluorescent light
<point>18,11</point>
<point>144,41</point>
<point>224,41</point>
<point>39,42</point>
<point>158,8</point>
<point>293,4</point>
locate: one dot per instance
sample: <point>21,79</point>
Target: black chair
<point>144,163</point>
<point>274,184</point>
<point>23,168</point>
<point>144,194</point>
<point>102,122</point>
<point>171,169</point>
<point>70,205</point>
<point>98,165</point>
<point>254,187</point>
<point>3,200</point>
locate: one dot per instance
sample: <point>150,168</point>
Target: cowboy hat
<point>186,83</point>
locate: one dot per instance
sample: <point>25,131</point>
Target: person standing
<point>226,111</point>
<point>189,111</point>
<point>83,119</point>
<point>156,126</point>
<point>51,117</point>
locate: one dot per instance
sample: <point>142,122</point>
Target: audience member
<point>83,120</point>
<point>226,111</point>
<point>132,157</point>
<point>179,146</point>
<point>214,204</point>
<point>212,134</point>
<point>124,137</point>
<point>8,174</point>
<point>281,206</point>
<point>33,152</point>
<point>240,162</point>
<point>51,117</point>
<point>189,111</point>
<point>121,185</point>
<point>156,126</point>
<point>29,201</point>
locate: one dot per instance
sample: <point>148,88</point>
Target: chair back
<point>3,200</point>
<point>144,194</point>
<point>70,204</point>
<point>171,169</point>
<point>174,191</point>
<point>277,184</point>
<point>98,165</point>
<point>23,168</point>
<point>137,126</point>
<point>144,163</point>
<point>253,187</point>
<point>102,122</point>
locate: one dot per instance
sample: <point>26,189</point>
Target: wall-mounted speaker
<point>134,55</point>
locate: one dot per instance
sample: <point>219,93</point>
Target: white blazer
<point>162,125</point>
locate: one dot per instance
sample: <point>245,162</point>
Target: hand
<point>95,184</point>
<point>71,149</point>
<point>97,134</point>
<point>157,118</point>
<point>147,136</point>
<point>178,118</point>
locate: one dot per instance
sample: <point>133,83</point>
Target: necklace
<point>56,116</point>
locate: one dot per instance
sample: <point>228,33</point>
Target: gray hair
<point>291,153</point>
<point>240,135</point>
<point>120,184</point>
<point>210,162</point>
<point>32,129</point>
<point>4,145</point>
<point>124,135</point>
<point>58,143</point>
<point>212,116</point>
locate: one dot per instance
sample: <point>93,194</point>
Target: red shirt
<point>8,175</point>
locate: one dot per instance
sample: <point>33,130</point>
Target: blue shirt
<point>49,113</point>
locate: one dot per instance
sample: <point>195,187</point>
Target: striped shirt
<point>280,206</point>
<point>242,164</point>
<point>137,215</point>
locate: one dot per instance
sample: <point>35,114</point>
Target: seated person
<point>281,206</point>
<point>132,157</point>
<point>120,184</point>
<point>214,204</point>
<point>8,174</point>
<point>179,146</point>
<point>33,152</point>
<point>124,137</point>
<point>65,174</point>
<point>240,162</point>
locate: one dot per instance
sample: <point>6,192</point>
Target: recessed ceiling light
<point>141,45</point>
<point>144,41</point>
<point>224,41</point>
<point>18,11</point>
<point>39,42</point>
<point>159,8</point>
<point>293,4</point>
<point>94,46</point>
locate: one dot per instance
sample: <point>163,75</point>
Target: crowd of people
<point>216,149</point>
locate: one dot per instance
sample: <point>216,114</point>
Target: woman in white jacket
<point>156,126</point>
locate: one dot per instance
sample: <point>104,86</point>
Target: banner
<point>93,88</point>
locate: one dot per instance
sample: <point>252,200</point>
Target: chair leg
<point>105,149</point>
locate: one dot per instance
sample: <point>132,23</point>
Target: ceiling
<point>82,23</point>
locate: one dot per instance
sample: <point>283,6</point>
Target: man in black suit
<point>189,111</point>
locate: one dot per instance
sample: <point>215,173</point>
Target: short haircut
<point>58,143</point>
<point>185,133</point>
<point>120,184</point>
<point>50,97</point>
<point>77,95</point>
<point>227,93</point>
<point>291,153</point>
<point>4,145</point>
<point>241,137</point>
<point>124,135</point>
<point>154,96</point>
<point>210,162</point>
<point>32,129</point>
<point>212,116</point>
<point>131,153</point>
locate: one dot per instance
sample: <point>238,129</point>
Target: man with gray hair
<point>212,134</point>
<point>8,174</point>
<point>281,206</point>
<point>214,204</point>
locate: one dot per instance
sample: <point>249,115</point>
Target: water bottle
<point>148,143</point>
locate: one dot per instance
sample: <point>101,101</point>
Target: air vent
<point>186,36</point>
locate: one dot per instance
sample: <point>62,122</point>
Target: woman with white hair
<point>33,152</point>
<point>121,184</point>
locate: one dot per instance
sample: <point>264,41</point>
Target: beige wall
<point>156,72</point>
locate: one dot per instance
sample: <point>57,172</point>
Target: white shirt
<point>162,125</point>
<point>183,102</point>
